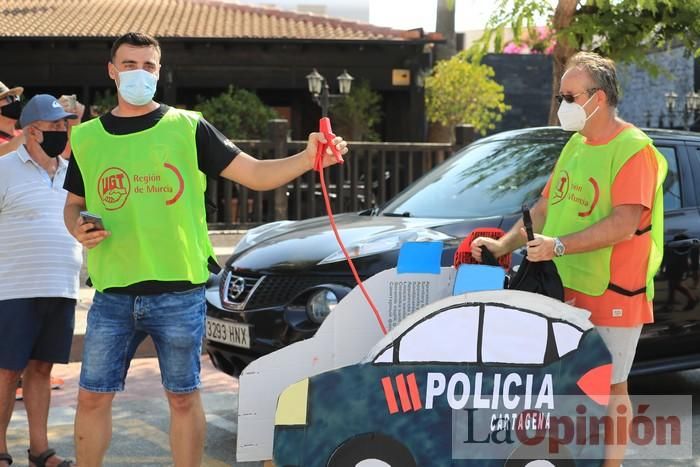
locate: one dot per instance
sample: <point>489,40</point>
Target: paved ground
<point>140,418</point>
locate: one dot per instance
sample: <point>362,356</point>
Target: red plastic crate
<point>463,254</point>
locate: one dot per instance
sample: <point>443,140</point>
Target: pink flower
<point>542,32</point>
<point>513,48</point>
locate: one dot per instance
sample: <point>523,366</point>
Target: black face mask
<point>54,142</point>
<point>12,110</point>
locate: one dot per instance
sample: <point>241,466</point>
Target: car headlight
<point>380,244</point>
<point>292,404</point>
<point>253,236</point>
<point>323,301</point>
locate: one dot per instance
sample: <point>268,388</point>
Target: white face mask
<point>137,87</point>
<point>572,116</point>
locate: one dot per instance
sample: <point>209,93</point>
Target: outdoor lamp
<point>315,80</point>
<point>345,82</point>
<point>692,101</point>
<point>685,112</point>
<point>318,87</point>
<point>671,98</point>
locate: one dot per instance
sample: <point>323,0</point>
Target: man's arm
<point>619,226</point>
<point>632,192</point>
<point>261,175</point>
<point>515,237</point>
<point>75,225</point>
<point>71,212</point>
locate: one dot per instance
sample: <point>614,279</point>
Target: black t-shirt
<point>214,153</point>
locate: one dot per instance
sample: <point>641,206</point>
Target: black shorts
<point>35,329</point>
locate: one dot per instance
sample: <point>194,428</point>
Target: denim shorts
<point>35,329</point>
<point>118,323</point>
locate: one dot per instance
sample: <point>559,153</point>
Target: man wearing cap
<point>10,108</point>
<point>37,298</point>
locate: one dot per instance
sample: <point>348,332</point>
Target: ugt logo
<point>113,188</point>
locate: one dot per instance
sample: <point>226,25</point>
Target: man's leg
<point>37,396</point>
<point>37,399</point>
<point>175,322</point>
<point>52,345</point>
<point>110,342</point>
<point>187,428</point>
<point>617,442</point>
<point>93,427</point>
<point>8,384</point>
<point>21,323</point>
<point>622,343</point>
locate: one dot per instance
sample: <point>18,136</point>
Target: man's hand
<point>539,249</point>
<point>261,175</point>
<point>88,239</point>
<point>72,105</point>
<point>79,111</point>
<point>496,247</point>
<point>328,158</point>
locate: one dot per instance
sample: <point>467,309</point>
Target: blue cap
<point>43,107</point>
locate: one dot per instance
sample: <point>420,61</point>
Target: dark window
<point>672,186</point>
<point>492,178</point>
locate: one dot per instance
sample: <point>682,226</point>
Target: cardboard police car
<point>350,385</point>
<point>481,379</point>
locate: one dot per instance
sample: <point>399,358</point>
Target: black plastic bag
<point>540,277</point>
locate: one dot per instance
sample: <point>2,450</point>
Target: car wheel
<point>372,450</point>
<point>538,456</point>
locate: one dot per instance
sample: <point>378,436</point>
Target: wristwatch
<point>559,247</point>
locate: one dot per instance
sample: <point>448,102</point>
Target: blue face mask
<point>137,87</point>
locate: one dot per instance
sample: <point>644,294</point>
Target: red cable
<point>326,199</point>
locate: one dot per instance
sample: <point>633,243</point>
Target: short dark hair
<point>135,39</point>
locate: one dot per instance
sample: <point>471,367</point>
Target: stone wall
<point>527,81</point>
<point>643,95</point>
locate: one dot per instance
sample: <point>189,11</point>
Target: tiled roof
<point>177,18</point>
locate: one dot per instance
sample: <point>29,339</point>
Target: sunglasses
<point>10,99</point>
<point>570,98</point>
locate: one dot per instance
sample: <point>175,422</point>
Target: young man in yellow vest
<point>142,168</point>
<point>601,218</point>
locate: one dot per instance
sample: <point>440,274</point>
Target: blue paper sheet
<point>477,277</point>
<point>420,257</point>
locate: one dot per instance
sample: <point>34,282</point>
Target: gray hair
<point>601,71</point>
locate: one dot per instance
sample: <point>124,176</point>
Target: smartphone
<point>92,218</point>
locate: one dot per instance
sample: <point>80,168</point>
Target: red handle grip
<point>324,127</point>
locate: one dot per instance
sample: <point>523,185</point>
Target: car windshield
<point>489,178</point>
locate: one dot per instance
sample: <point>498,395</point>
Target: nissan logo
<point>237,288</point>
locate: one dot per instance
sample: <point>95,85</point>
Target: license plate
<point>226,332</point>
